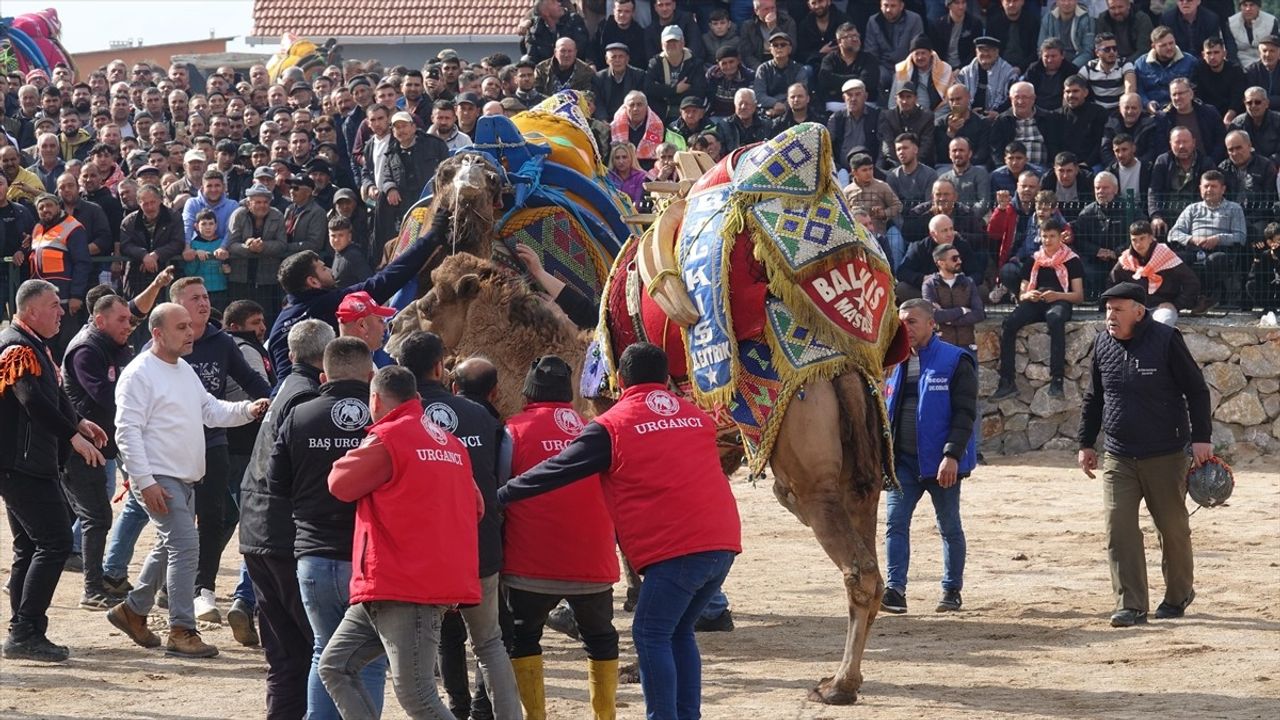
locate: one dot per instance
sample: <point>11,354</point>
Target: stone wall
<point>1241,366</point>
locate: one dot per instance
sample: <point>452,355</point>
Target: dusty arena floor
<point>1032,641</point>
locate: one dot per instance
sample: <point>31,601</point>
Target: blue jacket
<point>938,429</point>
<point>1154,77</point>
<point>222,210</point>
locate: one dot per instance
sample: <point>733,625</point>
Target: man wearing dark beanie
<point>924,72</point>
<point>546,559</point>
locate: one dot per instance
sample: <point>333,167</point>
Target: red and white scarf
<point>1162,258</point>
<point>1058,263</point>
<point>654,132</point>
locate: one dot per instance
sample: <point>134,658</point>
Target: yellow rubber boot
<point>602,679</point>
<point>533,695</point>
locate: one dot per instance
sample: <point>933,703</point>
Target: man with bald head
<point>476,379</point>
<point>918,262</point>
<point>162,409</point>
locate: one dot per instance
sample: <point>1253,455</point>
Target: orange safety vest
<point>49,251</point>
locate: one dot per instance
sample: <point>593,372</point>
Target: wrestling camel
<point>827,462</point>
<point>828,446</point>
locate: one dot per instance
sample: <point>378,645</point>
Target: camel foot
<point>828,693</point>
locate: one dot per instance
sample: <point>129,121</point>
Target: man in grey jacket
<point>257,243</point>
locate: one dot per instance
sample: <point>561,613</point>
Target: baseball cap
<point>346,194</point>
<point>299,87</point>
<point>303,180</point>
<point>262,172</point>
<point>402,116</point>
<point>672,32</point>
<point>779,36</point>
<point>908,89</point>
<point>194,154</point>
<point>467,97</point>
<point>360,305</point>
<point>690,102</point>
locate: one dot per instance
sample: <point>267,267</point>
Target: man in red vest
<point>675,516</point>
<point>546,559</point>
<point>415,552</point>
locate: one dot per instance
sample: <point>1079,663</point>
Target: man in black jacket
<point>1143,383</point>
<point>410,162</point>
<point>487,444</point>
<point>315,430</point>
<point>41,428</point>
<point>267,536</point>
<point>94,359</point>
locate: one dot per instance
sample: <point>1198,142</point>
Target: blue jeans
<point>124,536</point>
<point>897,536</point>
<point>326,592</point>
<point>110,469</point>
<point>672,596</point>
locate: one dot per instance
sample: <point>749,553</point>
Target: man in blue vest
<point>933,401</point>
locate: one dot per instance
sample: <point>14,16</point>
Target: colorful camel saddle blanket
<point>830,287</point>
<point>787,287</point>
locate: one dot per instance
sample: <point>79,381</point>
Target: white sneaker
<point>206,608</point>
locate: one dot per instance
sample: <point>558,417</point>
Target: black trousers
<point>215,512</point>
<point>594,614</point>
<point>1055,315</point>
<point>1220,271</point>
<point>453,664</point>
<point>86,491</point>
<point>285,632</point>
<point>41,531</point>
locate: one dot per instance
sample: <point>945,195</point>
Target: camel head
<point>480,308</point>
<point>468,186</point>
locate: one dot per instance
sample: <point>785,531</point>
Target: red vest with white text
<point>664,488</point>
<point>416,536</point>
<point>566,534</point>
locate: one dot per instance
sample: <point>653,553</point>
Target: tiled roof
<point>332,18</point>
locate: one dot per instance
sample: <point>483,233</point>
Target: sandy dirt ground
<point>1031,642</point>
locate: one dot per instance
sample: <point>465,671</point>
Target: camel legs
<point>815,462</point>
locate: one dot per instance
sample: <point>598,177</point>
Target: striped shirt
<point>1106,87</point>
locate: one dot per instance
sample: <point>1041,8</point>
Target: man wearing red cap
<point>360,316</point>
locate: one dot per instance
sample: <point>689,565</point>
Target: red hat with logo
<point>359,305</point>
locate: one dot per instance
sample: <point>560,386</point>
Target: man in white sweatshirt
<point>161,411</point>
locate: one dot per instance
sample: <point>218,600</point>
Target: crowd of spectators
<point>997,115</point>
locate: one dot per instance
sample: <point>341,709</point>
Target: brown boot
<point>133,625</point>
<point>186,642</point>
